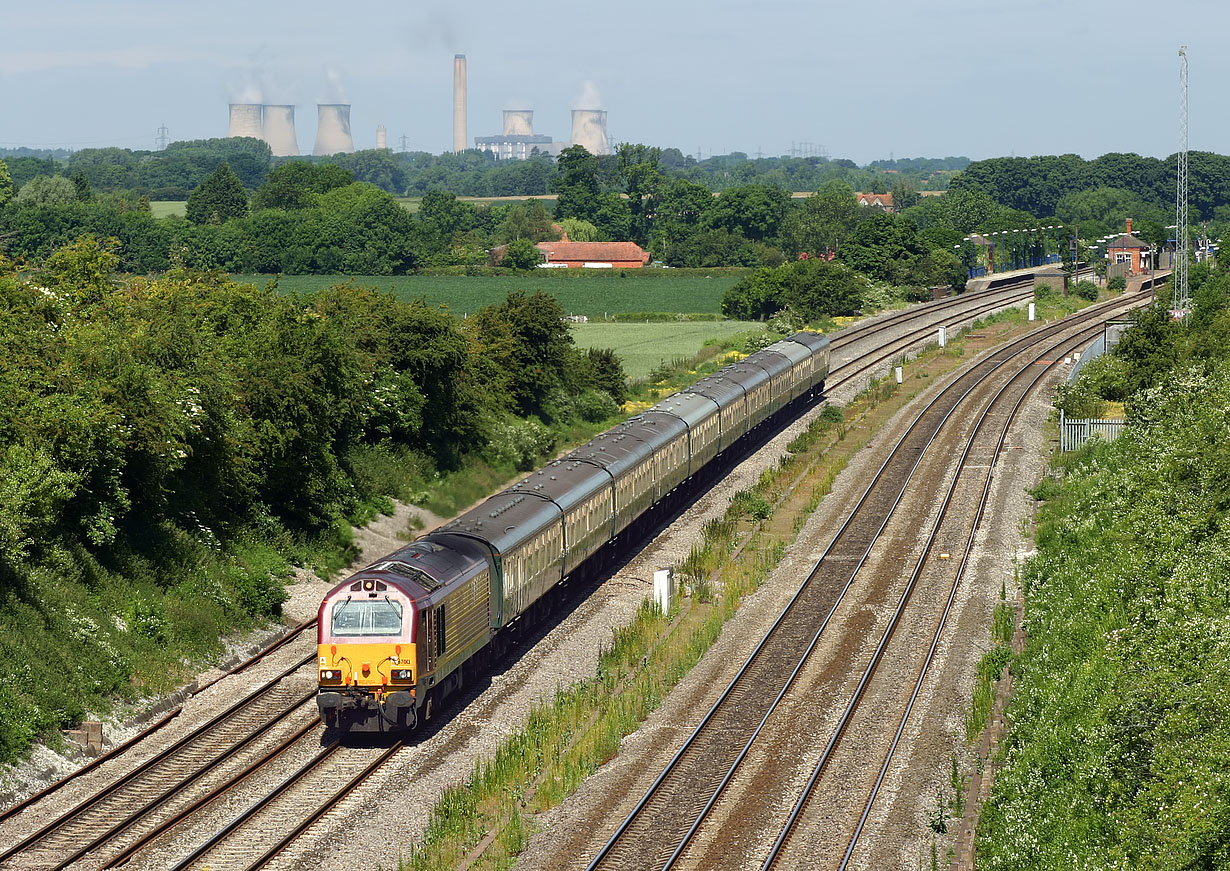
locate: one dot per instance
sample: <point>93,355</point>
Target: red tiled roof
<point>594,252</point>
<point>869,199</point>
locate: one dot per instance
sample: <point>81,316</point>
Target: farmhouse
<point>882,202</point>
<point>594,255</point>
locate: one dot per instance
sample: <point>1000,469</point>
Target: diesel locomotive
<point>395,638</point>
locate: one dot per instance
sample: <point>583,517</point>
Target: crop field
<point>166,208</point>
<point>595,296</point>
<point>642,347</point>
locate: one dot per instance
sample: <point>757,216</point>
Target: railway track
<point>130,815</point>
<point>150,730</point>
<point>660,828</point>
<point>126,805</point>
<point>966,497</point>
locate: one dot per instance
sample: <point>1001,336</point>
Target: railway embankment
<point>1117,739</point>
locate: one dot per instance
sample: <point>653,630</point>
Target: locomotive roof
<point>749,374</point>
<point>421,567</point>
<point>655,428</point>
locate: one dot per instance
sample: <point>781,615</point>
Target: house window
<point>1123,257</point>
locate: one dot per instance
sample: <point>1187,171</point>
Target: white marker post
<point>943,337</point>
<point>897,372</point>
<point>662,589</point>
<point>1032,313</point>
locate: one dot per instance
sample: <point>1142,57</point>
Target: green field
<point>595,295</point>
<point>644,346</point>
<point>166,208</point>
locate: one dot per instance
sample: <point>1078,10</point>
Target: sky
<point>859,80</point>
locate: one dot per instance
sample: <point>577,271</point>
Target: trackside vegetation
<point>171,447</point>
<point>1118,747</point>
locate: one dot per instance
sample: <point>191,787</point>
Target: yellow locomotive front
<point>366,648</point>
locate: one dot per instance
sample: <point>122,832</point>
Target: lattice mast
<point>1182,241</point>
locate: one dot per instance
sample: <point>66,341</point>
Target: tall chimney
<point>245,120</point>
<point>333,129</point>
<point>382,139</point>
<point>459,102</point>
<point>278,129</point>
<point>518,122</point>
<point>1129,226</point>
<point>589,130</point>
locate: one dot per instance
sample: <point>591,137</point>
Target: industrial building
<point>518,141</point>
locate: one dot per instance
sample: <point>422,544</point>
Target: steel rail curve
<point>856,696</point>
<point>989,362</point>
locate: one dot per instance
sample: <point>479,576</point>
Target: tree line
<point>320,217</point>
<point>1100,194</point>
<point>175,171</point>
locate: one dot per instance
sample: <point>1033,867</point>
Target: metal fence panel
<point>1073,433</point>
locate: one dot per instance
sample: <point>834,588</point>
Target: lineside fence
<point>1074,432</point>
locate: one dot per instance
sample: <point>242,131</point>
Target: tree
<point>884,246</point>
<point>579,231</point>
<point>521,254</point>
<point>47,190</point>
<point>523,348</point>
<point>220,197</point>
<point>84,270</point>
<point>525,221</point>
<point>82,183</point>
<point>6,185</point>
<point>640,167</point>
<point>292,185</point>
<point>822,221</point>
<point>755,211</point>
<point>822,288</point>
<point>577,184</point>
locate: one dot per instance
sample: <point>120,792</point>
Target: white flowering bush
<point>1118,753</point>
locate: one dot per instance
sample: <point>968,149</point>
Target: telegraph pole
<point>1181,232</point>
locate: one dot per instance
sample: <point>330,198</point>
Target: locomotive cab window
<point>366,617</point>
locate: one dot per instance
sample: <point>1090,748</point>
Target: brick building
<point>1126,254</point>
<point>594,255</point>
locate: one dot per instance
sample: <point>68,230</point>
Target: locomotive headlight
<point>330,674</point>
<point>403,674</point>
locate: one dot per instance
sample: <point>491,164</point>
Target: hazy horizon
<point>911,80</point>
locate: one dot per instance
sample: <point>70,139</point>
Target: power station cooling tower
<point>382,139</point>
<point>459,102</point>
<point>278,129</point>
<point>518,122</point>
<point>245,120</point>
<point>333,129</point>
<point>589,130</point>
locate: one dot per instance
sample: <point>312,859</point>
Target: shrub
<point>1086,290</point>
<point>1117,283</point>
